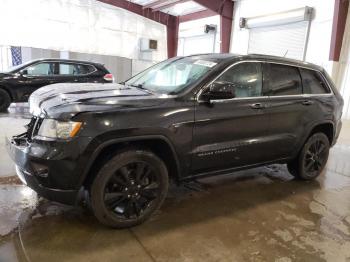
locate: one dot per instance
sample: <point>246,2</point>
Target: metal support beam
<point>224,8</point>
<point>156,3</point>
<point>168,5</point>
<point>221,7</point>
<point>159,17</point>
<point>339,20</point>
<point>197,15</point>
<point>226,27</point>
<point>173,37</point>
<point>170,21</point>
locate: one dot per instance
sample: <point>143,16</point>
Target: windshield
<point>172,76</point>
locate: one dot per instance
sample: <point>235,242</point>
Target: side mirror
<point>220,90</point>
<point>24,72</point>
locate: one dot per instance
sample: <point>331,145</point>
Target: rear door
<point>317,96</point>
<point>232,132</point>
<point>75,73</point>
<point>289,109</point>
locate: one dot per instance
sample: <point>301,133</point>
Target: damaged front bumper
<point>48,168</point>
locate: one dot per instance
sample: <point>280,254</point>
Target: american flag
<point>16,55</point>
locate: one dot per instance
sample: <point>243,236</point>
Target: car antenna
<point>286,53</point>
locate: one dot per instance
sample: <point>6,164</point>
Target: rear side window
<point>283,80</point>
<point>246,77</point>
<point>75,69</point>
<point>313,82</point>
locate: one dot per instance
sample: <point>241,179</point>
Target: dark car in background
<point>182,119</point>
<point>17,84</point>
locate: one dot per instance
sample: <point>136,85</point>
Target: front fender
<point>100,145</point>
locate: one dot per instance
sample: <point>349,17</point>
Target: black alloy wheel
<point>315,157</point>
<point>129,188</point>
<point>312,158</point>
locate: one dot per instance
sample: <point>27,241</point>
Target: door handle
<point>307,102</point>
<point>257,106</point>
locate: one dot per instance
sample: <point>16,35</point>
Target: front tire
<point>5,100</point>
<point>129,188</point>
<point>312,159</point>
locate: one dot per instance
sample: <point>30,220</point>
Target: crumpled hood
<point>66,100</point>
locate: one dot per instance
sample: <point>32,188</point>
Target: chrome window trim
<point>331,93</point>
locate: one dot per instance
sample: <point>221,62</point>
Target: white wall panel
<point>86,26</point>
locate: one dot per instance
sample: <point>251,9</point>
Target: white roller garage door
<point>281,34</point>
<point>287,40</point>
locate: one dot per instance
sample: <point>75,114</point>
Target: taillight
<point>108,77</point>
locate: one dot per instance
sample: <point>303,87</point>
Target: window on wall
<point>313,82</point>
<point>283,80</point>
<point>246,77</point>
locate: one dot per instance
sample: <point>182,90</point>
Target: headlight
<point>51,128</point>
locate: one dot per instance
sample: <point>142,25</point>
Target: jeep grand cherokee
<point>184,118</point>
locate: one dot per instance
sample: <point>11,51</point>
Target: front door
<point>34,77</point>
<point>232,132</point>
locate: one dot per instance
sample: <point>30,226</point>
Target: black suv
<point>19,82</point>
<point>181,119</point>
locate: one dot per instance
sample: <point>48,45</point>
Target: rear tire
<point>129,188</point>
<point>5,100</point>
<point>312,158</point>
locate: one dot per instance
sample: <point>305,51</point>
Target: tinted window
<point>313,82</point>
<point>246,77</point>
<point>75,69</point>
<point>41,69</point>
<point>284,80</point>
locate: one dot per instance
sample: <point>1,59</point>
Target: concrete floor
<point>256,215</point>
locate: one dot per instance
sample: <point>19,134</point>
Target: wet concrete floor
<point>261,214</point>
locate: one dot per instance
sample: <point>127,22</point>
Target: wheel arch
<point>158,144</point>
<point>325,127</point>
<point>7,91</point>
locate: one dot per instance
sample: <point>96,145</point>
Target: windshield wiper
<point>140,86</point>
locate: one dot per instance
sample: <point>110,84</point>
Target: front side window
<point>75,69</point>
<point>313,82</point>
<point>283,80</point>
<point>172,76</point>
<point>246,79</point>
<point>41,69</point>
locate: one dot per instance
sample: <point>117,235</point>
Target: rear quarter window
<point>313,82</point>
<point>75,69</point>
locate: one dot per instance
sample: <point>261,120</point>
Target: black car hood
<point>3,74</point>
<point>66,100</point>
